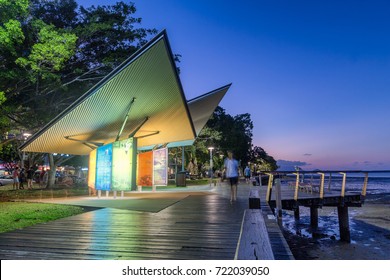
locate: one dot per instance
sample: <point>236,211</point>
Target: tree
<point>263,161</point>
<point>52,51</point>
<point>225,132</point>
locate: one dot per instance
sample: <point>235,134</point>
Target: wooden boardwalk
<point>201,226</point>
<point>197,227</point>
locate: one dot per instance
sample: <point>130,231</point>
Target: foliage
<point>261,160</point>
<point>53,51</point>
<point>225,132</point>
<point>9,155</point>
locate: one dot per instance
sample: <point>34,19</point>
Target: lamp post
<point>25,135</point>
<point>211,163</point>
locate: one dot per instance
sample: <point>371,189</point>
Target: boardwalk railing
<point>300,196</point>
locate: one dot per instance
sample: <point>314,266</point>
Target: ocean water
<point>378,188</point>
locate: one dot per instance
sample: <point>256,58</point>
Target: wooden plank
<point>254,243</point>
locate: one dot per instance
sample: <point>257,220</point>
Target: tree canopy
<point>53,51</point>
<point>225,132</point>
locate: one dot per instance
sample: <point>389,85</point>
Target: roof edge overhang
<point>209,93</point>
<point>160,36</point>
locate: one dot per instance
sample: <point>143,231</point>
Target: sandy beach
<point>370,233</point>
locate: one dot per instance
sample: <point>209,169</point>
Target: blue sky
<point>314,75</point>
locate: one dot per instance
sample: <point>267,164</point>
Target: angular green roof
<point>144,95</point>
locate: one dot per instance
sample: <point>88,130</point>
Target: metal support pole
<point>211,164</point>
<point>125,119</point>
<point>182,158</point>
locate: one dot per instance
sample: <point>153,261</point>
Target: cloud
<point>286,165</point>
<point>307,155</point>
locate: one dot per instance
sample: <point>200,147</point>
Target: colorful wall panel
<point>92,169</point>
<point>160,167</point>
<point>103,167</point>
<point>145,169</point>
<point>122,165</point>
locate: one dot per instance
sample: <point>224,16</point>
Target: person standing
<point>41,177</point>
<point>231,169</point>
<point>22,178</point>
<point>30,175</point>
<point>15,176</point>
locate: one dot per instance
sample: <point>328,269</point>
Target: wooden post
<point>269,190</point>
<point>313,216</point>
<point>330,181</point>
<point>122,194</point>
<point>364,190</point>
<point>345,234</point>
<point>343,184</point>
<point>296,186</point>
<point>99,193</point>
<point>322,185</point>
<point>107,193</point>
<point>278,197</point>
<point>114,194</point>
<point>296,213</point>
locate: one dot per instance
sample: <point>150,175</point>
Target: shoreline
<point>369,226</point>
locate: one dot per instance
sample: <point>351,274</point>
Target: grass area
<point>16,215</point>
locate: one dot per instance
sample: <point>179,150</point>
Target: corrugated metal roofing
<point>201,108</point>
<point>151,78</point>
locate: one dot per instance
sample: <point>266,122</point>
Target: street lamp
<point>211,163</point>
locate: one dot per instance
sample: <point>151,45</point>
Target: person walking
<point>231,169</point>
<point>247,174</point>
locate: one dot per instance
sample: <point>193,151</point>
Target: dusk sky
<point>314,75</point>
